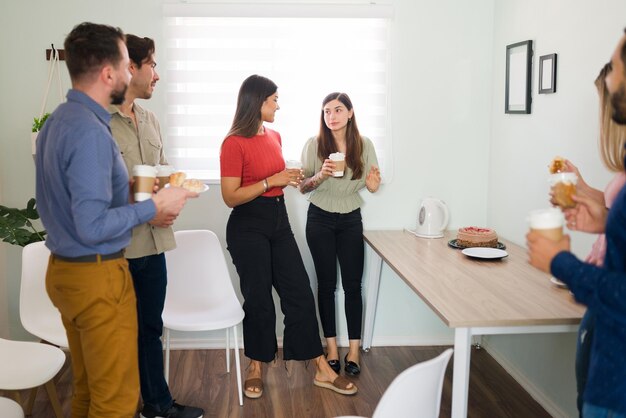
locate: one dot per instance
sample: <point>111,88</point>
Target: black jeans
<point>150,279</point>
<point>265,253</point>
<point>331,237</point>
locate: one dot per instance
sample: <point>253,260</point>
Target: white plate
<point>558,283</point>
<point>482,252</point>
<point>204,189</point>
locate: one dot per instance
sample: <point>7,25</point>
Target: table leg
<point>374,269</point>
<point>460,376</point>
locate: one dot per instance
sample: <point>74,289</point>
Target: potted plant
<point>37,125</point>
<point>16,227</point>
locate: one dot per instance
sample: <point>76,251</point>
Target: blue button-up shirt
<point>82,182</point>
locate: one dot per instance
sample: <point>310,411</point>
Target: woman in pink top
<point>612,142</point>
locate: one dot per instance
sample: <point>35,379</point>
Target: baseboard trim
<point>545,402</point>
<point>177,343</point>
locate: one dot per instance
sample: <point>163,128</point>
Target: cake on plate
<point>473,236</point>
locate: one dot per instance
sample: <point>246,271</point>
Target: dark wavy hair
<point>252,93</point>
<point>354,142</point>
<point>89,46</point>
<point>139,49</point>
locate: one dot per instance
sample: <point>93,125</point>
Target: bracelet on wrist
<point>266,185</point>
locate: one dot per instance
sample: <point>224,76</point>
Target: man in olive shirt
<point>138,136</point>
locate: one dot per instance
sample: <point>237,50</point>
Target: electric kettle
<point>432,218</point>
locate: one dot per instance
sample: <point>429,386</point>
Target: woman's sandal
<point>352,368</point>
<point>254,383</point>
<point>339,385</point>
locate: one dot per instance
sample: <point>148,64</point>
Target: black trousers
<point>331,237</point>
<point>265,253</point>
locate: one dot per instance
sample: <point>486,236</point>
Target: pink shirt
<point>596,256</point>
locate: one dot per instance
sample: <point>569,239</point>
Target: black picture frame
<point>547,74</point>
<point>517,91</point>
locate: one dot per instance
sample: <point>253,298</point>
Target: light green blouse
<point>337,194</point>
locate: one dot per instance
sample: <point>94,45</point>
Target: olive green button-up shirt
<point>142,144</point>
<point>337,194</point>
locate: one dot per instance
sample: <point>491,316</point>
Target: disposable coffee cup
<point>163,174</point>
<point>547,222</point>
<point>563,187</point>
<point>339,158</point>
<point>293,164</point>
<point>145,177</point>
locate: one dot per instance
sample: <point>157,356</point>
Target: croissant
<point>177,179</point>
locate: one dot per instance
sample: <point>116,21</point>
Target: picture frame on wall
<point>517,91</point>
<point>547,74</point>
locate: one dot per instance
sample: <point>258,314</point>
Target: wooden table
<point>473,296</point>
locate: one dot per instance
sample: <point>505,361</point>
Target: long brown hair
<point>354,143</point>
<point>252,93</point>
<point>612,135</point>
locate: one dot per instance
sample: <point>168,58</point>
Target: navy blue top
<point>82,182</point>
<point>603,290</point>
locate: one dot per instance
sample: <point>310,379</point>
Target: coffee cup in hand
<point>547,222</point>
<point>293,164</point>
<point>145,177</point>
<point>563,187</point>
<point>339,158</point>
<point>163,174</point>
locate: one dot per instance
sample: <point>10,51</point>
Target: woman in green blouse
<point>334,229</point>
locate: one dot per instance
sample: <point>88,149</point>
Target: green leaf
<point>15,225</point>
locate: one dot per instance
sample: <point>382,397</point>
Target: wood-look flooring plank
<point>199,377</point>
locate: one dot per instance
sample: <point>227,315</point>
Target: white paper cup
<point>339,158</point>
<point>291,164</point>
<point>548,222</point>
<point>145,176</point>
<point>163,174</point>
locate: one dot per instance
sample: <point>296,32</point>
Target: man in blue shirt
<point>601,289</point>
<point>83,199</point>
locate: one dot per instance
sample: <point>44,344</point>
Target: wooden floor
<point>199,377</point>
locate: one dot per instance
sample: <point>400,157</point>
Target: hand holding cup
<point>545,239</point>
<point>144,179</point>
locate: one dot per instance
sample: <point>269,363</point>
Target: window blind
<point>306,53</point>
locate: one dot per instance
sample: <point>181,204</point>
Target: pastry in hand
<point>193,185</point>
<point>177,179</point>
<point>557,165</point>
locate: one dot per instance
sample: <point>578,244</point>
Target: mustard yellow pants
<point>98,306</point>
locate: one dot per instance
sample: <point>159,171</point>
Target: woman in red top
<point>262,245</point>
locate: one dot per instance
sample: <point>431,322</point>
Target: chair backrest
<point>10,409</point>
<point>416,391</point>
<point>198,275</point>
<point>37,313</point>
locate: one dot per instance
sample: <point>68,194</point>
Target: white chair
<point>416,392</point>
<point>26,365</point>
<point>37,313</point>
<point>200,294</point>
<point>10,409</point>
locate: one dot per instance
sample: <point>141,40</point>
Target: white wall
<point>583,34</point>
<point>441,82</point>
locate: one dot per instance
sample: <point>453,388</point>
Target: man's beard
<point>618,103</point>
<point>117,96</point>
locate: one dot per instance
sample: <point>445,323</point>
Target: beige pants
<point>98,306</point>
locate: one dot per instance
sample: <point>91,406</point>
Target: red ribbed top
<point>253,159</point>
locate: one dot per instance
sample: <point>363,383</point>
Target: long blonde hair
<point>612,135</point>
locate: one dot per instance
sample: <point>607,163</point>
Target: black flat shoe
<point>351,367</point>
<point>335,365</point>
